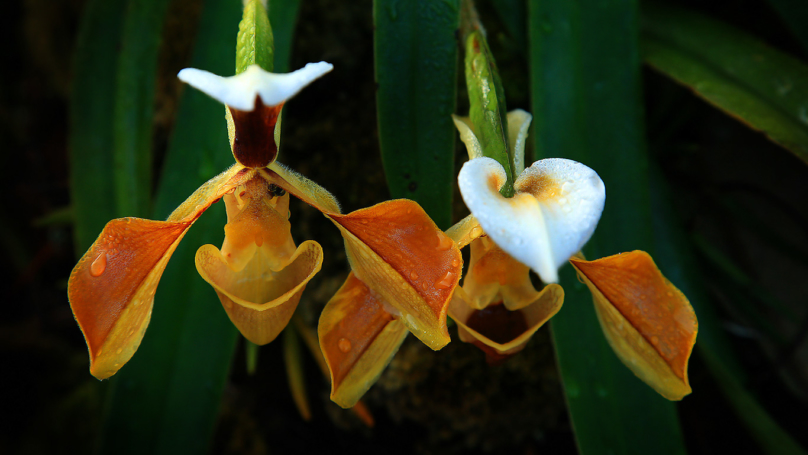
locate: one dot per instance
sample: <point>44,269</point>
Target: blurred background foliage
<point>725,207</point>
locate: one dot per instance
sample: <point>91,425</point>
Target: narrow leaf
<point>92,104</point>
<point>585,74</point>
<point>134,105</point>
<point>255,45</point>
<point>764,88</point>
<point>795,15</point>
<point>416,76</point>
<point>295,373</point>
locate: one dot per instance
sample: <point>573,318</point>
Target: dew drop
<point>475,231</point>
<point>99,265</point>
<point>119,351</point>
<point>455,263</point>
<point>446,282</point>
<point>444,242</point>
<point>344,345</point>
<point>413,275</point>
<point>259,240</point>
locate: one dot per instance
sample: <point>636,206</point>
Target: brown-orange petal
<point>258,300</point>
<point>111,289</point>
<point>358,339</point>
<point>399,253</point>
<point>498,331</point>
<point>253,134</point>
<point>648,322</point>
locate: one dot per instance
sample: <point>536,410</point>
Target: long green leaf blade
<point>134,105</point>
<point>166,399</point>
<point>416,77</point>
<point>585,78</point>
<point>739,74</point>
<point>92,104</point>
<point>255,45</point>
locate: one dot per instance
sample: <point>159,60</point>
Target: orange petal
<point>210,191</point>
<point>500,332</point>
<point>396,249</point>
<point>258,300</point>
<point>358,339</point>
<point>648,322</point>
<point>111,289</point>
<point>301,187</point>
<point>493,274</point>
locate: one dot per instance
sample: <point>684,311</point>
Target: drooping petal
<point>553,214</point>
<point>301,187</point>
<point>648,322</point>
<point>240,91</point>
<point>518,125</point>
<point>111,289</point>
<point>259,300</point>
<point>500,332</point>
<point>399,253</point>
<point>465,231</point>
<point>358,339</point>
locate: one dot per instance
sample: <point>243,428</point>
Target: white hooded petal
<point>239,91</point>
<point>518,124</point>
<point>555,210</point>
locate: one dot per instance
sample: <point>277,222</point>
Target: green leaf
<point>676,259</point>
<point>255,45</point>
<point>92,104</point>
<point>295,374</point>
<point>134,105</point>
<point>416,77</point>
<point>764,88</point>
<point>283,16</point>
<point>166,399</point>
<point>487,106</point>
<point>586,97</point>
<point>795,15</point>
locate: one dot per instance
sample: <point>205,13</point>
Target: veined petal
<point>498,331</point>
<point>111,289</point>
<point>259,300</point>
<point>648,322</point>
<point>358,339</point>
<point>399,253</point>
<point>240,91</point>
<point>518,125</point>
<point>554,213</point>
<point>465,231</point>
<point>301,187</point>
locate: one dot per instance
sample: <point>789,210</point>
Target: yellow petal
<point>301,187</point>
<point>260,301</point>
<point>111,289</point>
<point>498,331</point>
<point>464,231</point>
<point>358,339</point>
<point>493,274</point>
<point>648,322</point>
<point>518,125</point>
<point>399,253</point>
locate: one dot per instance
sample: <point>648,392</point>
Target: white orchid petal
<point>240,91</point>
<point>463,125</point>
<point>518,124</point>
<point>554,212</point>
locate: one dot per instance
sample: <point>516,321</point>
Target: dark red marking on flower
<point>254,143</point>
<point>497,323</point>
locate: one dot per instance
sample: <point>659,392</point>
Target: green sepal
<point>255,45</point>
<point>487,105</point>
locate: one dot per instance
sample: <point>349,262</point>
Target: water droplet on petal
<point>475,231</point>
<point>446,282</point>
<point>444,242</point>
<point>259,240</point>
<point>119,351</point>
<point>413,276</point>
<point>99,265</point>
<point>455,263</point>
<point>344,345</point>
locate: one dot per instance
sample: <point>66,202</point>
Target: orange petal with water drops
<point>500,332</point>
<point>358,339</point>
<point>258,300</point>
<point>399,253</point>
<point>111,289</point>
<point>648,322</point>
<point>465,231</point>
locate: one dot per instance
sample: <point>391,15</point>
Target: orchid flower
<point>553,213</point>
<point>259,273</point>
